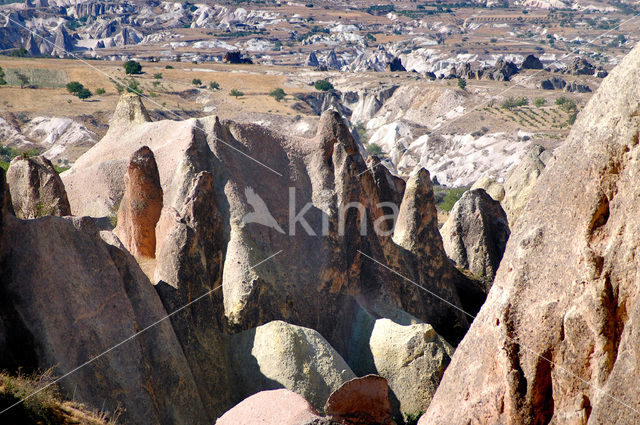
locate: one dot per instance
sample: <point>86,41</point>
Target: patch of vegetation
<point>409,418</point>
<point>100,91</point>
<point>323,85</point>
<point>132,67</point>
<point>2,80</point>
<point>20,53</point>
<point>374,149</point>
<point>168,67</point>
<point>278,94</point>
<point>540,102</point>
<point>23,79</point>
<point>451,196</point>
<point>214,85</point>
<point>158,76</point>
<point>236,93</point>
<point>515,102</point>
<point>196,82</point>
<point>134,86</point>
<point>462,83</point>
<point>79,90</point>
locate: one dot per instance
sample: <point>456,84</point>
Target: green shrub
<point>374,149</point>
<point>132,67</point>
<point>323,85</point>
<point>540,102</point>
<point>196,82</point>
<point>84,93</point>
<point>278,94</point>
<point>134,86</point>
<point>2,80</point>
<point>100,91</point>
<point>452,196</point>
<point>158,76</point>
<point>236,93</point>
<point>74,87</point>
<point>462,83</point>
<point>515,102</point>
<point>168,67</point>
<point>214,85</point>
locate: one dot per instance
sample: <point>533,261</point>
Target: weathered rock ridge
<point>556,341</point>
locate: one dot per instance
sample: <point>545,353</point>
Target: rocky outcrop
<point>521,180</point>
<point>275,407</point>
<point>531,62</point>
<point>361,401</point>
<point>492,187</point>
<point>475,234</point>
<point>279,355</point>
<point>395,65</point>
<point>68,297</point>
<point>574,87</point>
<point>141,205</point>
<point>556,341</point>
<point>553,83</point>
<point>312,60</point>
<point>36,188</point>
<point>130,110</point>
<point>412,358</point>
<point>64,43</point>
<point>581,66</point>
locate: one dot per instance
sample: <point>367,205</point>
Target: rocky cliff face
<point>556,341</point>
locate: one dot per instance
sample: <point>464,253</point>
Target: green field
<point>40,77</point>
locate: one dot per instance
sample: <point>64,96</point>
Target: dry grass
<point>45,407</point>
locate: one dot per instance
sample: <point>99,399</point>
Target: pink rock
<point>275,407</point>
<point>361,401</point>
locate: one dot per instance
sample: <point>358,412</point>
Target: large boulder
<point>280,355</point>
<point>522,179</point>
<point>557,340</point>
<point>531,62</point>
<point>361,401</point>
<point>475,234</point>
<point>141,205</point>
<point>275,407</point>
<point>412,358</point>
<point>36,188</point>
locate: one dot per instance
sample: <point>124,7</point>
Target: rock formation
<point>475,234</point>
<point>531,62</point>
<point>581,66</point>
<point>130,110</point>
<point>141,205</point>
<point>553,83</point>
<point>361,401</point>
<point>67,297</point>
<point>282,355</point>
<point>556,341</point>
<point>492,187</point>
<point>36,188</point>
<point>275,407</point>
<point>412,359</point>
<point>574,87</point>
<point>521,180</point>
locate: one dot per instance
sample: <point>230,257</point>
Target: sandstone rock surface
<point>492,187</point>
<point>475,234</point>
<point>277,355</point>
<point>36,188</point>
<point>275,407</point>
<point>141,205</point>
<point>412,359</point>
<point>361,401</point>
<point>66,297</point>
<point>556,341</point>
<point>521,180</point>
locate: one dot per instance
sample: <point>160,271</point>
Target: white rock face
<point>59,135</point>
<point>279,355</point>
<point>412,359</point>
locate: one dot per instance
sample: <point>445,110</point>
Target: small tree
<point>539,102</point>
<point>214,85</point>
<point>278,94</point>
<point>462,83</point>
<point>168,67</point>
<point>74,87</point>
<point>2,80</point>
<point>374,149</point>
<point>132,67</point>
<point>24,80</point>
<point>196,82</point>
<point>323,85</point>
<point>158,76</point>
<point>100,91</point>
<point>236,93</point>
<point>84,93</point>
<point>134,87</point>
